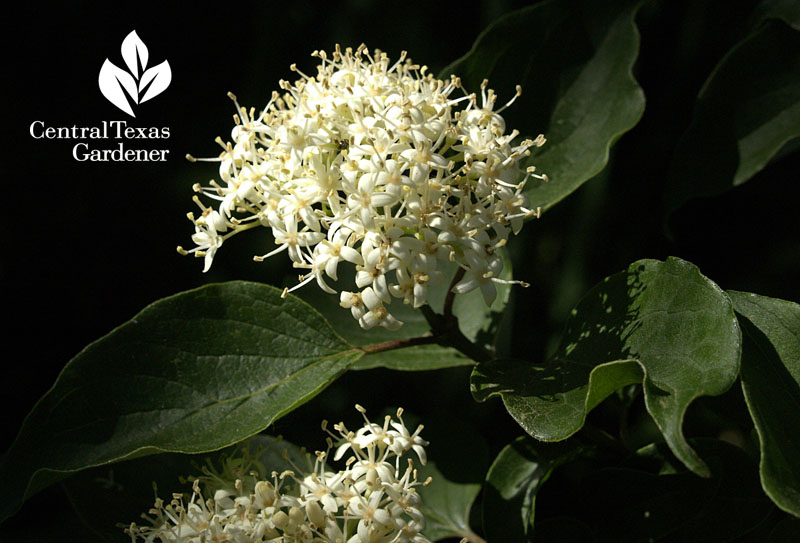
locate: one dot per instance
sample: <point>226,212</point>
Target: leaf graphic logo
<point>139,85</point>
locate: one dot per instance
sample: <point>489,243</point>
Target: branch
<point>445,327</point>
<point>433,318</point>
<point>451,295</point>
<point>444,332</point>
<point>399,344</point>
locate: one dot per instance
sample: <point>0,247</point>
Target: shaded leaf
<point>662,324</point>
<point>771,384</point>
<point>630,505</point>
<point>747,110</point>
<point>446,505</point>
<point>457,461</point>
<point>573,59</point>
<point>512,483</point>
<point>191,373</point>
<point>478,322</point>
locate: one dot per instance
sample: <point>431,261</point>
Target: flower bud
<point>315,514</point>
<point>280,520</point>
<point>373,480</point>
<point>296,516</point>
<point>265,494</point>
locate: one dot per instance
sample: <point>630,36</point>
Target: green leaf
<point>106,497</point>
<point>512,483</point>
<point>191,373</point>
<point>747,110</point>
<point>573,59</point>
<point>662,324</point>
<point>458,458</point>
<point>632,505</point>
<point>477,322</point>
<point>446,505</point>
<point>771,384</point>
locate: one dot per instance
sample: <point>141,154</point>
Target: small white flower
<point>377,314</point>
<point>377,165</point>
<point>330,253</point>
<point>481,273</point>
<point>208,241</point>
<point>370,500</point>
<point>353,302</point>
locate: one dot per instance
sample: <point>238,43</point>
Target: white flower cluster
<point>373,500</point>
<point>373,164</point>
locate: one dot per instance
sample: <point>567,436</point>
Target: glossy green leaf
<point>747,110</point>
<point>573,59</point>
<point>477,322</point>
<point>512,483</point>
<point>662,324</point>
<point>194,372</point>
<point>106,497</point>
<point>771,384</point>
<point>446,504</point>
<point>633,505</point>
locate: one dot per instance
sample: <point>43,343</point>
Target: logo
<point>119,141</point>
<point>140,83</point>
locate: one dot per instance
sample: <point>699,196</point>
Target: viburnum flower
<point>378,166</point>
<point>374,499</point>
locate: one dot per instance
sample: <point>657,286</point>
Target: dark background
<point>87,245</point>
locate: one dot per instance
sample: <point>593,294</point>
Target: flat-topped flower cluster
<point>374,165</point>
<point>373,500</point>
